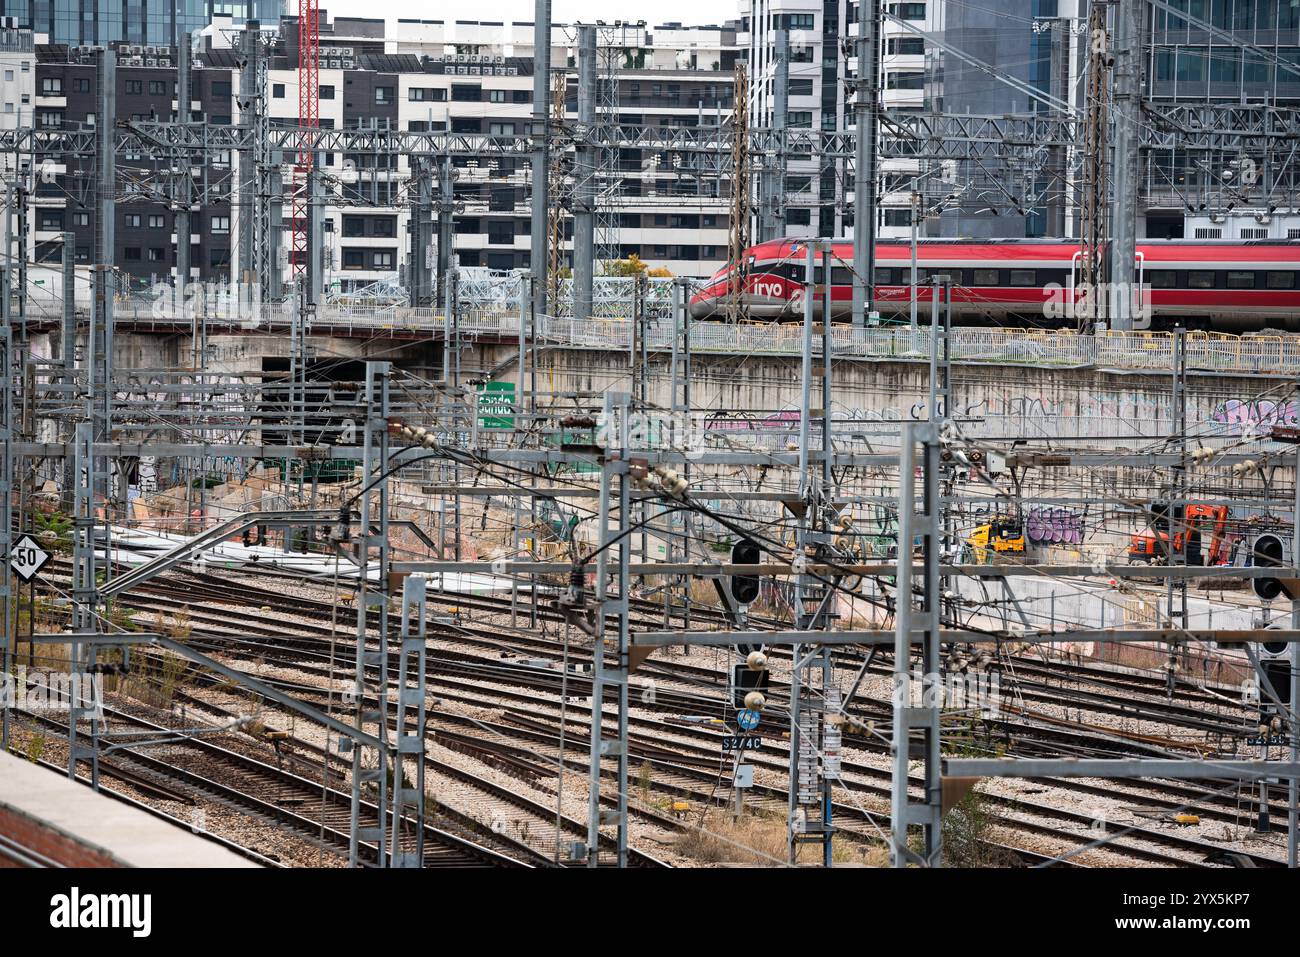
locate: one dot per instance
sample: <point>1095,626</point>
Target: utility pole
<point>8,596</point>
<point>738,224</point>
<point>554,214</point>
<point>867,114</point>
<point>1093,230</point>
<point>446,211</point>
<point>1179,527</point>
<point>916,694</point>
<point>184,181</point>
<point>420,280</point>
<point>1124,118</point>
<point>584,199</point>
<point>541,133</point>
<point>1293,784</point>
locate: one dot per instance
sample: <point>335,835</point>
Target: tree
<point>634,266</point>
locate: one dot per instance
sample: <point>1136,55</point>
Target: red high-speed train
<point>1225,285</point>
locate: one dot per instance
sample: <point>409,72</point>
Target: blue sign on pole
<point>747,719</point>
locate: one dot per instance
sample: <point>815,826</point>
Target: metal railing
<point>492,311</point>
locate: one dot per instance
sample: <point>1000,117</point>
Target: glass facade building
<point>154,22</point>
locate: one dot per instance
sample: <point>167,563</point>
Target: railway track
<point>493,638</point>
<point>684,771</point>
<point>203,770</point>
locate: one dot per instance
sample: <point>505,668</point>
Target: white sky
<point>562,11</point>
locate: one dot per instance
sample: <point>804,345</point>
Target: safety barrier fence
<point>1271,354</point>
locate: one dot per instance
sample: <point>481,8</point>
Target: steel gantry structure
<point>1265,132</point>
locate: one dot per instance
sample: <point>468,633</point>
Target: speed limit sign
<point>27,557</point>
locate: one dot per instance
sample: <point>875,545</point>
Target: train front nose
<point>703,304</point>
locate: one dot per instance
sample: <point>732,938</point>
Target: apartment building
<point>823,67</point>
<point>1222,197</point>
<point>477,77</point>
<point>471,77</point>
<point>153,22</point>
<point>67,94</point>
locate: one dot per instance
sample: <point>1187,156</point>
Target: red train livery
<point>1224,285</point>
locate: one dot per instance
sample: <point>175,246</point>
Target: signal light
<point>1275,671</point>
<point>744,588</point>
<point>1269,551</point>
<point>746,682</point>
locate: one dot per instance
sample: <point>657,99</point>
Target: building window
<point>383,94</point>
<point>134,87</point>
<point>132,254</point>
<point>354,226</point>
<point>326,92</point>
<point>497,96</point>
<point>131,221</point>
<point>800,21</point>
<point>157,222</point>
<point>905,81</point>
<point>81,219</point>
<point>383,260</point>
<point>801,119</point>
<point>354,259</point>
<point>905,46</point>
<point>158,87</point>
<point>277,91</point>
<point>52,86</point>
<point>81,84</point>
<point>219,224</point>
<point>801,87</point>
<point>157,254</point>
<point>908,11</point>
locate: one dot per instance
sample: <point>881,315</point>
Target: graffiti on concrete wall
<point>1047,525</point>
<point>1257,413</point>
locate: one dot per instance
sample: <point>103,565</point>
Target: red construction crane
<point>308,116</point>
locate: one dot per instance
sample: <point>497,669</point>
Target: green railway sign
<point>496,405</point>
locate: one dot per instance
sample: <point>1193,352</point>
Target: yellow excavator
<point>1000,535</point>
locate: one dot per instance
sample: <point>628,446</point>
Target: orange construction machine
<point>1196,522</point>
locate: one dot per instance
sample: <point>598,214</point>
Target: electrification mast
<point>308,116</point>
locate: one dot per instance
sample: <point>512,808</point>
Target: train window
<point>1023,277</point>
<point>884,277</point>
<point>1281,280</point>
<point>841,276</point>
<point>1200,279</point>
<point>985,277</point>
<point>1162,279</point>
<point>1241,280</point>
